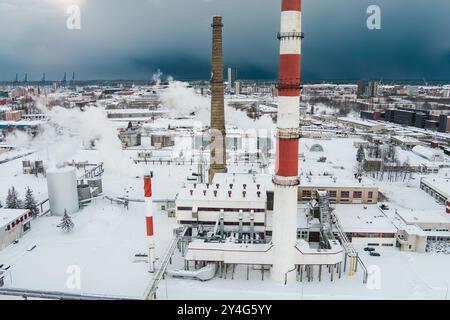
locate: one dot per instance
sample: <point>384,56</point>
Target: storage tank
<point>62,190</point>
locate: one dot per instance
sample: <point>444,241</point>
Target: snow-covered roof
<point>361,122</point>
<point>423,217</point>
<point>428,153</point>
<point>9,215</point>
<point>441,185</point>
<point>332,182</point>
<point>361,218</point>
<point>204,192</point>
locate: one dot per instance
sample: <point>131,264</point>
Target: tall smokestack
<point>218,132</point>
<point>286,170</point>
<point>149,220</point>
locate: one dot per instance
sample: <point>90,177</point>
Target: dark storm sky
<point>132,39</point>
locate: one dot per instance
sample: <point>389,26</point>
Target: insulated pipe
<point>286,170</point>
<point>252,226</point>
<point>222,224</point>
<point>241,218</point>
<point>149,221</point>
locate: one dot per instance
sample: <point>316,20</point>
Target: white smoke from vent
<point>182,101</point>
<point>69,129</point>
<point>92,126</point>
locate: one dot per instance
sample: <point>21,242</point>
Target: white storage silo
<point>62,190</point>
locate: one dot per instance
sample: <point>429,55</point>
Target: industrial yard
<point>225,189</point>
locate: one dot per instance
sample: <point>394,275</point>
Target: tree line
<point>13,201</point>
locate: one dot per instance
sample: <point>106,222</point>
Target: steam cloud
<point>68,129</point>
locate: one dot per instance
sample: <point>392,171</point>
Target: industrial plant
<point>225,188</point>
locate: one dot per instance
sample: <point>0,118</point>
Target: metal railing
<point>150,292</point>
<point>57,295</point>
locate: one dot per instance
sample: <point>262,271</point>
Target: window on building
<point>306,193</point>
<point>357,195</point>
<point>370,194</point>
<point>333,194</point>
<point>345,194</point>
<point>184,208</point>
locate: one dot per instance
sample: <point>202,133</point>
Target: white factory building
<point>13,224</point>
<point>366,225</point>
<point>207,205</point>
<point>236,202</point>
<point>438,188</point>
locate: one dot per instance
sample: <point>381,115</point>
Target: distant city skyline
<point>118,40</point>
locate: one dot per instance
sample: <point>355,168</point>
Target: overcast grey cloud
<point>131,39</point>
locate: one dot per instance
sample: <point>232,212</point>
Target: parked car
<point>369,249</point>
<point>375,254</point>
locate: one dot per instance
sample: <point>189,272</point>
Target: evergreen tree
<point>30,203</point>
<point>66,223</point>
<point>360,155</point>
<point>12,200</point>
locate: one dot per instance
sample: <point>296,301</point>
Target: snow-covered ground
<point>397,275</point>
<point>107,236</point>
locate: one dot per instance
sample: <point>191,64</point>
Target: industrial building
<point>234,203</point>
<point>433,155</point>
<point>13,224</point>
<point>339,190</point>
<point>419,229</point>
<point>232,77</point>
<point>419,119</point>
<point>130,138</point>
<point>370,126</point>
<point>237,219</point>
<point>438,188</point>
<point>444,123</point>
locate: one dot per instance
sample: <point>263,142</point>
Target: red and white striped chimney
<point>149,220</point>
<point>284,234</point>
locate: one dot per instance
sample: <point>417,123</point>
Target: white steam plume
<point>181,100</point>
